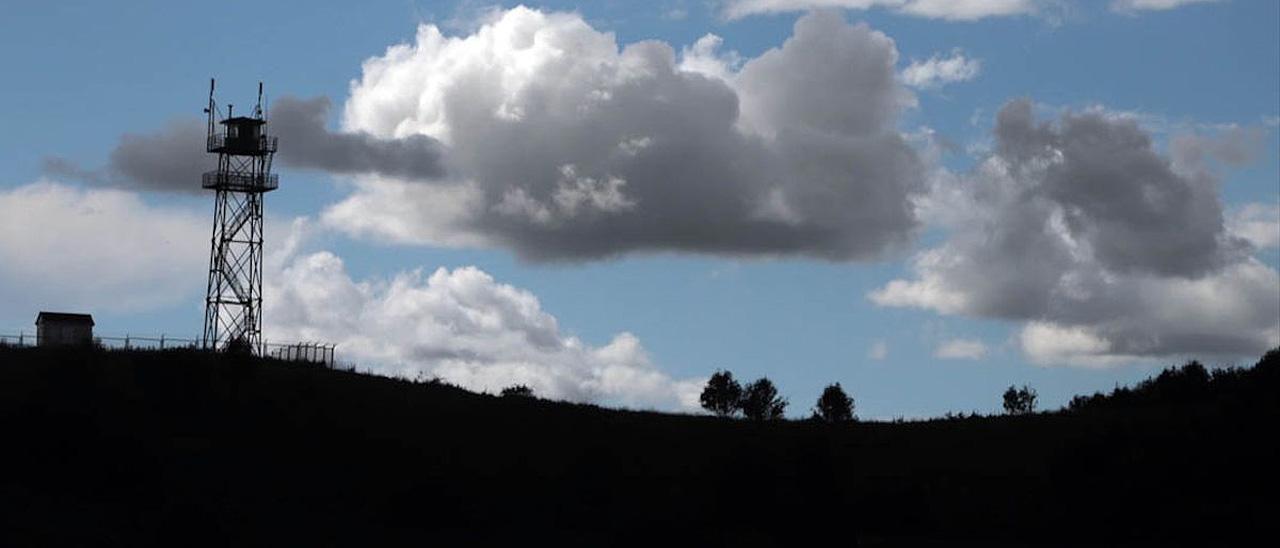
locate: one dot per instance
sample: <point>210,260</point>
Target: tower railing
<point>219,142</point>
<point>238,182</point>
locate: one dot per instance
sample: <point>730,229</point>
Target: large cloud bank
<point>561,146</point>
<point>1106,249</point>
<point>63,247</point>
<point>464,327</point>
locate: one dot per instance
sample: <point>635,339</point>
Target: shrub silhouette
<point>722,395</point>
<point>834,405</point>
<point>238,346</point>
<point>760,401</point>
<point>517,391</point>
<point>1019,401</point>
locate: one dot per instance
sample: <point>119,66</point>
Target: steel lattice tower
<point>233,302</point>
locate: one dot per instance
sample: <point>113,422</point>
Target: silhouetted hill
<point>181,448</point>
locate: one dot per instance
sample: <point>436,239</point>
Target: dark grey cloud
<point>568,148</point>
<point>306,143</point>
<point>1107,249</point>
<point>1117,194</point>
<point>173,158</point>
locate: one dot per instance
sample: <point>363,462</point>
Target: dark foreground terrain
<point>183,448</point>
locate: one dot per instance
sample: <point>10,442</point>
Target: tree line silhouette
<point>759,400</point>
<point>1191,383</point>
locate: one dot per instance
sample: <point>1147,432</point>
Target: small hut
<point>62,329</point>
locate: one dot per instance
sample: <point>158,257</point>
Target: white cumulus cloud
<point>560,144</point>
<point>1051,344</point>
<point>461,326</point>
<point>1107,250</point>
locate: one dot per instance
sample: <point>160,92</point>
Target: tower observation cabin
<point>233,302</point>
<point>241,139</point>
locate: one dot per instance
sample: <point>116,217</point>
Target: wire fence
<point>310,352</point>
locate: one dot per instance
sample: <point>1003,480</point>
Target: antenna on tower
<point>258,110</point>
<point>211,108</point>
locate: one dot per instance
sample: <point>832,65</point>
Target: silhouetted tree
<point>1029,396</point>
<point>834,405</point>
<point>1019,401</point>
<point>760,401</point>
<point>517,391</point>
<point>722,395</point>
<point>238,346</point>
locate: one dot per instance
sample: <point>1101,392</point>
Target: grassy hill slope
<point>183,447</point>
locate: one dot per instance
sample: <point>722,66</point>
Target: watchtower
<point>233,302</point>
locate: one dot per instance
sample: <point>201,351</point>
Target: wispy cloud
<point>961,349</point>
<point>953,10</point>
<point>1135,6</point>
<point>879,350</point>
<point>939,70</point>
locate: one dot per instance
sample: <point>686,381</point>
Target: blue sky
<point>81,74</point>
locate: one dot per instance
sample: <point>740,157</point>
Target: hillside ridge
<point>133,448</point>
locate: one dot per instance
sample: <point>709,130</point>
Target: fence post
<point>126,341</point>
<point>162,341</point>
<point>20,337</point>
